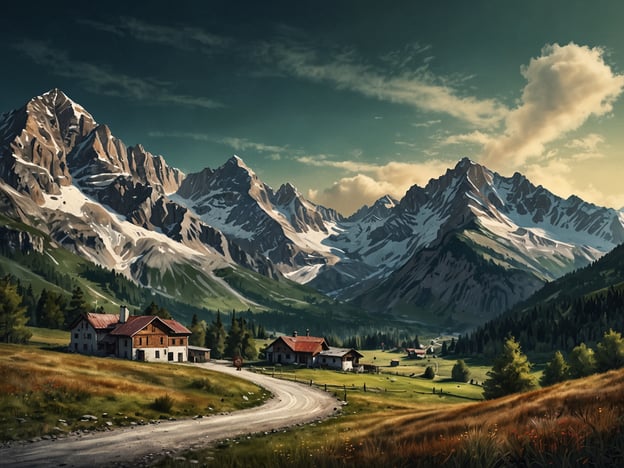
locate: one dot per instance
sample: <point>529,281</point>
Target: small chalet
<point>416,353</point>
<point>136,337</point>
<point>296,350</point>
<point>346,359</point>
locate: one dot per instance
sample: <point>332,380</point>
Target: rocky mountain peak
<point>286,194</point>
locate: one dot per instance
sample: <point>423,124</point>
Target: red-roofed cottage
<point>136,337</point>
<point>296,350</point>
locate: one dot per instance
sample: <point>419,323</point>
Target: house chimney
<point>307,332</point>
<point>123,314</point>
<point>295,334</point>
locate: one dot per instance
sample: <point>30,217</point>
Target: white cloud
<point>371,181</point>
<point>101,80</point>
<point>427,123</point>
<point>351,193</point>
<point>236,143</point>
<point>419,88</point>
<point>588,144</point>
<point>566,85</point>
<point>473,137</point>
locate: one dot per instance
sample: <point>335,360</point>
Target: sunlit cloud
<point>566,85</point>
<point>371,181</point>
<point>103,81</point>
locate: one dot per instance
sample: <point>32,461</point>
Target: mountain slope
<point>476,243</point>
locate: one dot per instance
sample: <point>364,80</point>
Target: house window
<point>162,341</point>
<point>88,336</point>
<point>76,346</point>
<point>147,340</point>
<point>157,354</point>
<point>84,347</point>
<point>76,335</point>
<point>288,357</point>
<point>140,341</point>
<point>173,341</point>
<point>126,343</point>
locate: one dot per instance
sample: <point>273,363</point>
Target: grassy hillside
<point>44,392</point>
<point>183,289</point>
<point>579,422</point>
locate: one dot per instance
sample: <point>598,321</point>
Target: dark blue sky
<point>348,100</point>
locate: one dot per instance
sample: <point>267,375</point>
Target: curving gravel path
<point>293,403</point>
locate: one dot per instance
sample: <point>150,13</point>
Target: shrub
<point>163,404</point>
<point>429,373</point>
<point>460,372</point>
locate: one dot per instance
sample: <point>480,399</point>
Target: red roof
<point>177,327</point>
<point>136,323</point>
<point>102,321</point>
<point>304,344</point>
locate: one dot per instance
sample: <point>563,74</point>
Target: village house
<point>136,337</point>
<point>311,351</point>
<point>346,359</point>
<point>296,349</point>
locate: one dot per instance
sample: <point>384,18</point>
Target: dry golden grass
<point>40,387</point>
<point>574,423</point>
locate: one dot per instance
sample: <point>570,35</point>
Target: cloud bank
<point>370,181</point>
<point>566,85</point>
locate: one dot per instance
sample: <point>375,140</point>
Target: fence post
<point>345,393</point>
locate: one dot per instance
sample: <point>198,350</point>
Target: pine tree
<point>49,310</point>
<point>610,352</point>
<point>198,332</point>
<point>460,372</point>
<point>12,314</point>
<point>234,339</point>
<point>250,351</point>
<point>215,337</point>
<point>77,306</point>
<point>511,372</point>
<point>557,370</point>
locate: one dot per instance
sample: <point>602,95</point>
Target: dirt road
<point>292,403</point>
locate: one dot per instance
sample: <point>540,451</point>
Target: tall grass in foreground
<point>576,423</point>
<point>44,392</point>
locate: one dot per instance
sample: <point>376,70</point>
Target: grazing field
<point>49,393</point>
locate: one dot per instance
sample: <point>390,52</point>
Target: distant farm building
<point>416,353</point>
<point>311,351</point>
<point>136,337</point>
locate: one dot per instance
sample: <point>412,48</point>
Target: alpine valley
<point>453,254</point>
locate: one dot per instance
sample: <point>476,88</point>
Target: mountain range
<point>457,252</point>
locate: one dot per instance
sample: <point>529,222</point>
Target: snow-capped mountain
<point>281,225</point>
<point>68,176</point>
<point>473,243</point>
<point>463,248</point>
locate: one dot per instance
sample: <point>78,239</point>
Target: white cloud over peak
<point>566,85</point>
<point>371,181</point>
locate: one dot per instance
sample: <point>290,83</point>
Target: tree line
<point>238,340</point>
<point>560,325</point>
